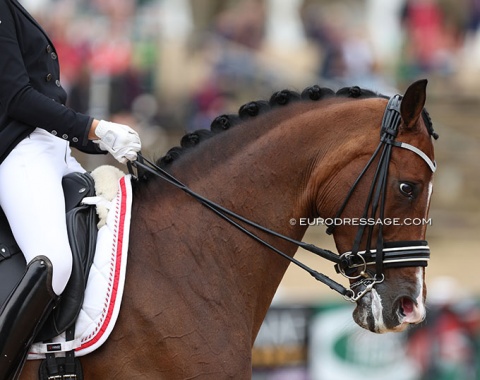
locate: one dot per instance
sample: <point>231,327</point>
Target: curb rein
<point>386,254</point>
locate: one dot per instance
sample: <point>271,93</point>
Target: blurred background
<point>167,67</point>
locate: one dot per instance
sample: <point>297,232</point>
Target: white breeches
<point>31,196</point>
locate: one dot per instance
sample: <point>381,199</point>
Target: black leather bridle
<point>351,264</point>
<point>354,263</point>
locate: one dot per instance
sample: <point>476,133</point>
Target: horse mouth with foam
<point>378,313</point>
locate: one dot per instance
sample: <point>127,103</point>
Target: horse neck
<point>263,174</point>
<point>274,157</point>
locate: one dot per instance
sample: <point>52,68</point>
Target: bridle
<point>352,264</point>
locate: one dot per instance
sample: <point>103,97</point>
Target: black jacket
<point>30,91</point>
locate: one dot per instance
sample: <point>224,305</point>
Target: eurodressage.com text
<point>363,221</point>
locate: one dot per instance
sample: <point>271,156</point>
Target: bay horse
<point>198,288</point>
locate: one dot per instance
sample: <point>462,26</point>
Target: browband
<point>430,163</point>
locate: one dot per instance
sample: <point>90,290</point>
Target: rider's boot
<point>23,314</point>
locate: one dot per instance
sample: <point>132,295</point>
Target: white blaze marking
<point>430,190</point>
<point>377,311</point>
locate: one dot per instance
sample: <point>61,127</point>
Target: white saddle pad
<point>104,289</point>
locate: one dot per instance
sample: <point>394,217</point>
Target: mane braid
<point>358,93</point>
<point>252,109</point>
<point>428,123</point>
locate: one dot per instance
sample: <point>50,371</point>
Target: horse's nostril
<point>407,306</point>
<point>409,311</point>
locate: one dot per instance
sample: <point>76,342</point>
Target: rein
<point>144,164</point>
<point>385,255</point>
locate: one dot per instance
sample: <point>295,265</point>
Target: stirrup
<point>23,314</point>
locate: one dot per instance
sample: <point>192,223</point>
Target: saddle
<point>82,232</point>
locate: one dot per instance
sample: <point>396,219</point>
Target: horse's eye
<point>407,189</point>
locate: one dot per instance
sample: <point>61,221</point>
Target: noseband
<point>352,264</point>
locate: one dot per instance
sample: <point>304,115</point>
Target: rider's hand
<point>119,140</point>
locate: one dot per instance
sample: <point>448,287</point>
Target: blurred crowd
<point>173,65</point>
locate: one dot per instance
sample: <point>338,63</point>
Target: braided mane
<point>278,99</point>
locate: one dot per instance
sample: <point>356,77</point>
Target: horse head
<point>380,226</point>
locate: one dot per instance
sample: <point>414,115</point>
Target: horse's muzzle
<point>379,313</point>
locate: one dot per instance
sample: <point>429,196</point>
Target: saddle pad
<point>104,290</point>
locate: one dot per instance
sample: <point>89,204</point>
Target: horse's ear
<point>413,102</point>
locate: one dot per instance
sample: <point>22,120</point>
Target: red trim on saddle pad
<point>105,285</point>
<point>119,235</point>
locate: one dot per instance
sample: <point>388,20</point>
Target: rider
<point>36,133</point>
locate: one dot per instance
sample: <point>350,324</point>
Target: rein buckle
<point>347,266</point>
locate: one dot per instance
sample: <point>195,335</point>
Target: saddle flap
<point>82,232</point>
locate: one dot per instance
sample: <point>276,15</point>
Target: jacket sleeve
<point>20,101</point>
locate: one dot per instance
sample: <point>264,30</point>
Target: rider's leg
<point>22,315</point>
<point>31,196</point>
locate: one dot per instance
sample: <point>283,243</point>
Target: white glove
<point>120,140</point>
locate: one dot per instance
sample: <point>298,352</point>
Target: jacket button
<point>49,77</point>
<point>53,55</point>
<point>75,140</point>
<point>54,132</point>
<point>64,136</point>
<point>49,49</point>
<point>57,82</point>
